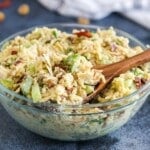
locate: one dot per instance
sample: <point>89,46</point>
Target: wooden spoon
<point>115,69</point>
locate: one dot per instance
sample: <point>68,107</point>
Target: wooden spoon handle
<point>126,64</point>
<point>113,70</point>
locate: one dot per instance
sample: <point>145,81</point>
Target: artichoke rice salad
<point>49,65</point>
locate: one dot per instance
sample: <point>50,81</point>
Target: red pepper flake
<point>14,52</point>
<point>85,33</point>
<point>139,82</point>
<point>5,3</point>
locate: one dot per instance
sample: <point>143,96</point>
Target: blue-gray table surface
<point>134,135</point>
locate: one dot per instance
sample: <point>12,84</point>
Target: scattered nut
<point>82,20</point>
<point>85,33</point>
<point>24,9</point>
<point>2,16</point>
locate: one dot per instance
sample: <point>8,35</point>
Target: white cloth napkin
<point>137,10</point>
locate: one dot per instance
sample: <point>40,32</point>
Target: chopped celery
<point>137,71</point>
<point>119,42</point>
<point>128,83</point>
<point>72,62</point>
<point>7,83</point>
<point>118,105</point>
<point>35,35</point>
<point>89,89</point>
<point>32,69</point>
<point>26,85</point>
<point>99,121</point>
<point>55,34</point>
<point>27,45</point>
<point>36,94</point>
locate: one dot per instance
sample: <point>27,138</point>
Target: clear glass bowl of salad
<point>37,100</point>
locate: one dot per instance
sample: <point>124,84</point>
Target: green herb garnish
<point>72,62</point>
<point>55,34</point>
<point>99,121</point>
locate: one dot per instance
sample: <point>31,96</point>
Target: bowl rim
<point>56,25</point>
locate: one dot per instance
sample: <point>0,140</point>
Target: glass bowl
<point>76,122</point>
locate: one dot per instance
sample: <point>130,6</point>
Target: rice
<point>56,66</point>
